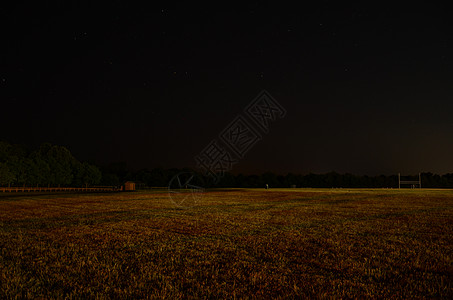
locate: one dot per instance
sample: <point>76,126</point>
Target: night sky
<point>367,88</point>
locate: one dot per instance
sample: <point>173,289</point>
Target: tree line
<point>161,177</point>
<point>49,165</point>
<point>52,165</point>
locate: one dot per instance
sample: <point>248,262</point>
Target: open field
<point>233,243</point>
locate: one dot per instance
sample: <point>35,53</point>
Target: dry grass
<point>237,243</point>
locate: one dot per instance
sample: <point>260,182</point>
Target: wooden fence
<point>57,189</point>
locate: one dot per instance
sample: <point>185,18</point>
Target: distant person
<point>267,186</point>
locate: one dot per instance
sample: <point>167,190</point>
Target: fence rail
<point>56,189</point>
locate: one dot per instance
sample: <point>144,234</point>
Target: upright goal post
<point>413,183</point>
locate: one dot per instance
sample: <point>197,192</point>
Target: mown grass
<point>233,244</point>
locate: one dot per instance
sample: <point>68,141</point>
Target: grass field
<point>232,244</point>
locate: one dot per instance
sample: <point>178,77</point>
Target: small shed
<point>129,186</point>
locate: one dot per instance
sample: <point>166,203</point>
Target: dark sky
<point>368,88</point>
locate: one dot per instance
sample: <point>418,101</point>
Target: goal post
<point>412,183</point>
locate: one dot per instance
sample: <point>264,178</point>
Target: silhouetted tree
<point>40,168</point>
<point>6,175</point>
<point>109,179</point>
